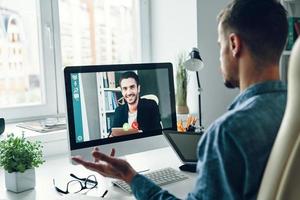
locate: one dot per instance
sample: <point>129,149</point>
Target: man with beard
<point>136,113</point>
<point>233,152</point>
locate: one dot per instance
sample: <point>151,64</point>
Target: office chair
<point>281,179</point>
<point>152,97</point>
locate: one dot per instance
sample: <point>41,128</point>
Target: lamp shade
<point>194,63</point>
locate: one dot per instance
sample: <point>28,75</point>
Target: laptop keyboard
<point>160,177</point>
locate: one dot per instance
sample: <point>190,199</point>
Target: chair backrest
<point>281,178</point>
<point>152,97</point>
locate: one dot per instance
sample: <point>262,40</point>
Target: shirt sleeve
<point>144,188</point>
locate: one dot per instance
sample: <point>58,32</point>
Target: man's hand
<point>108,166</point>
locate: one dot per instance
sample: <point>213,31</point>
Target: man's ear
<point>139,88</point>
<point>235,44</point>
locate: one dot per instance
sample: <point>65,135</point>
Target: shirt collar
<point>259,88</point>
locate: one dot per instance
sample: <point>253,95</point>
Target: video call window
<point>102,101</point>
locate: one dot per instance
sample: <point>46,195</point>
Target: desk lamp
<point>195,63</point>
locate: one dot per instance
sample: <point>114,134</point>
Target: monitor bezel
<point>115,67</point>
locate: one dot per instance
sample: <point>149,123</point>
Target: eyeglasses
<point>79,184</point>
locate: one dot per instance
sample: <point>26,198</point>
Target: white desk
<point>59,167</point>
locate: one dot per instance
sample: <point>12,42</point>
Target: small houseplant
<point>19,157</point>
<point>181,86</point>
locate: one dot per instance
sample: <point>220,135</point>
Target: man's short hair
<point>129,74</point>
<point>262,25</point>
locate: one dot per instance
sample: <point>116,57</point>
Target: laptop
<point>184,145</point>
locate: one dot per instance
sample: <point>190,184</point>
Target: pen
<point>103,195</point>
<point>143,171</point>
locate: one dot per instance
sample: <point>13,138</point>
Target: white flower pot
<point>19,182</point>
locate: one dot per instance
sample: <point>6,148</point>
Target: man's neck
<point>132,108</point>
<point>251,73</point>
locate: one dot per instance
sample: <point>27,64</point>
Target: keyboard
<point>160,177</point>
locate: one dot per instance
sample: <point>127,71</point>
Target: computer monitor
<point>99,100</point>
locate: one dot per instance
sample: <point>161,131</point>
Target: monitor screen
<point>117,103</point>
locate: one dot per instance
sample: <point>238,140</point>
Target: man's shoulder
<point>241,118</point>
<point>249,120</point>
<point>228,120</point>
<point>258,107</point>
<point>147,102</point>
<point>231,127</point>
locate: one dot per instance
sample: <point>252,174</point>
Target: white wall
<point>178,26</point>
<point>216,97</point>
<point>173,31</point>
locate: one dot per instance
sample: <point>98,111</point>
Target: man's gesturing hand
<point>108,166</point>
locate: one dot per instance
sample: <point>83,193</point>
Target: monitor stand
<point>188,167</point>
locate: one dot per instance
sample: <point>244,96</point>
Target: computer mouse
<point>188,167</point>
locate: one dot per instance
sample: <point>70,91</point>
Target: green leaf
<point>181,81</point>
<point>17,154</point>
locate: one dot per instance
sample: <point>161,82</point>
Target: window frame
<point>48,106</point>
<point>51,61</point>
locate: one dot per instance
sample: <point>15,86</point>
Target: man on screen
<point>136,113</point>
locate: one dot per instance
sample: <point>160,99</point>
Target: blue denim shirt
<point>233,152</point>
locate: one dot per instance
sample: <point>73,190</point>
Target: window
<point>99,31</point>
<point>38,38</point>
<point>22,80</point>
<point>20,73</point>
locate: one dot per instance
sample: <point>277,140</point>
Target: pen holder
<point>2,125</point>
<point>189,125</point>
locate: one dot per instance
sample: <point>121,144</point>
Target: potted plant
<point>181,86</point>
<point>19,157</point>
